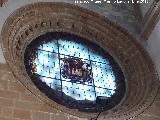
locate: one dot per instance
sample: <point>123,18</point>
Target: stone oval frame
<point>31,21</point>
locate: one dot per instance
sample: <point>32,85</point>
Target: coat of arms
<point>76,70</point>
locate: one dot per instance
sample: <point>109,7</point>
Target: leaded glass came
<point>74,72</point>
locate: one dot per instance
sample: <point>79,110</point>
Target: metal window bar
<point>91,70</point>
<point>59,67</point>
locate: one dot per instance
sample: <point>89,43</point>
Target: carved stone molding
<point>150,19</point>
<point>33,20</point>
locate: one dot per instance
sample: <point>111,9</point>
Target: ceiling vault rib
<point>150,19</point>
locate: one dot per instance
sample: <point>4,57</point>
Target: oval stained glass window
<point>74,72</point>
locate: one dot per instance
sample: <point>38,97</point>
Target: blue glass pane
<point>49,65</point>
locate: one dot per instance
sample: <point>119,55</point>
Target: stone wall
<point>31,21</point>
<point>18,103</point>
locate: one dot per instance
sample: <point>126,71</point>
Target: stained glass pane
<point>76,69</point>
